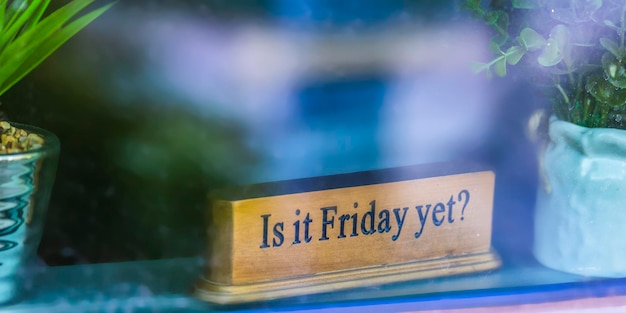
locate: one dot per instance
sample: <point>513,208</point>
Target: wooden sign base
<point>322,234</point>
<point>378,275</point>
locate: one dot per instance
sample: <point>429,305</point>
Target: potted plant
<point>575,50</point>
<point>28,155</point>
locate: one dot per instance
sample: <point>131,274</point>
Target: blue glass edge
<point>507,296</point>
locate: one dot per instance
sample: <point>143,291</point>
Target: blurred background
<point>160,101</point>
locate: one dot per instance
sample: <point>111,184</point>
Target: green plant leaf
<point>34,19</point>
<point>33,46</point>
<point>478,67</point>
<point>2,16</point>
<point>614,70</point>
<point>503,20</point>
<point>495,48</point>
<point>21,18</point>
<point>492,17</point>
<point>561,35</point>
<point>500,39</point>
<point>16,51</point>
<point>611,46</point>
<point>611,25</point>
<point>51,23</point>
<point>13,11</point>
<point>500,67</point>
<point>605,92</point>
<point>550,56</point>
<point>554,50</point>
<point>514,54</point>
<point>531,39</point>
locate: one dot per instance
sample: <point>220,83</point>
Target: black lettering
<point>385,221</point>
<point>265,218</point>
<point>296,231</point>
<point>354,223</point>
<point>278,233</point>
<point>306,222</point>
<point>369,213</point>
<point>422,217</point>
<point>467,198</point>
<point>326,221</point>
<point>399,221</point>
<point>439,208</point>
<point>342,223</point>
<point>451,203</point>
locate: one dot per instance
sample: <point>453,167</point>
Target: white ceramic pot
<point>580,218</point>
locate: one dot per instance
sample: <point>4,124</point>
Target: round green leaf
<point>561,34</point>
<point>611,46</point>
<point>530,39</point>
<point>514,54</point>
<point>551,55</point>
<point>500,67</point>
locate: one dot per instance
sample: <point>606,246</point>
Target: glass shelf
<point>165,285</point>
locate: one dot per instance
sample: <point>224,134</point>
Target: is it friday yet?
<point>337,224</point>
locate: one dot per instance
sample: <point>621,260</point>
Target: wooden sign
<point>326,233</point>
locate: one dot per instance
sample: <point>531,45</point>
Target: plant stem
<point>565,97</point>
<point>484,15</point>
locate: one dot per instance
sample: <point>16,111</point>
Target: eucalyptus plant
<point>29,34</point>
<point>576,48</point>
